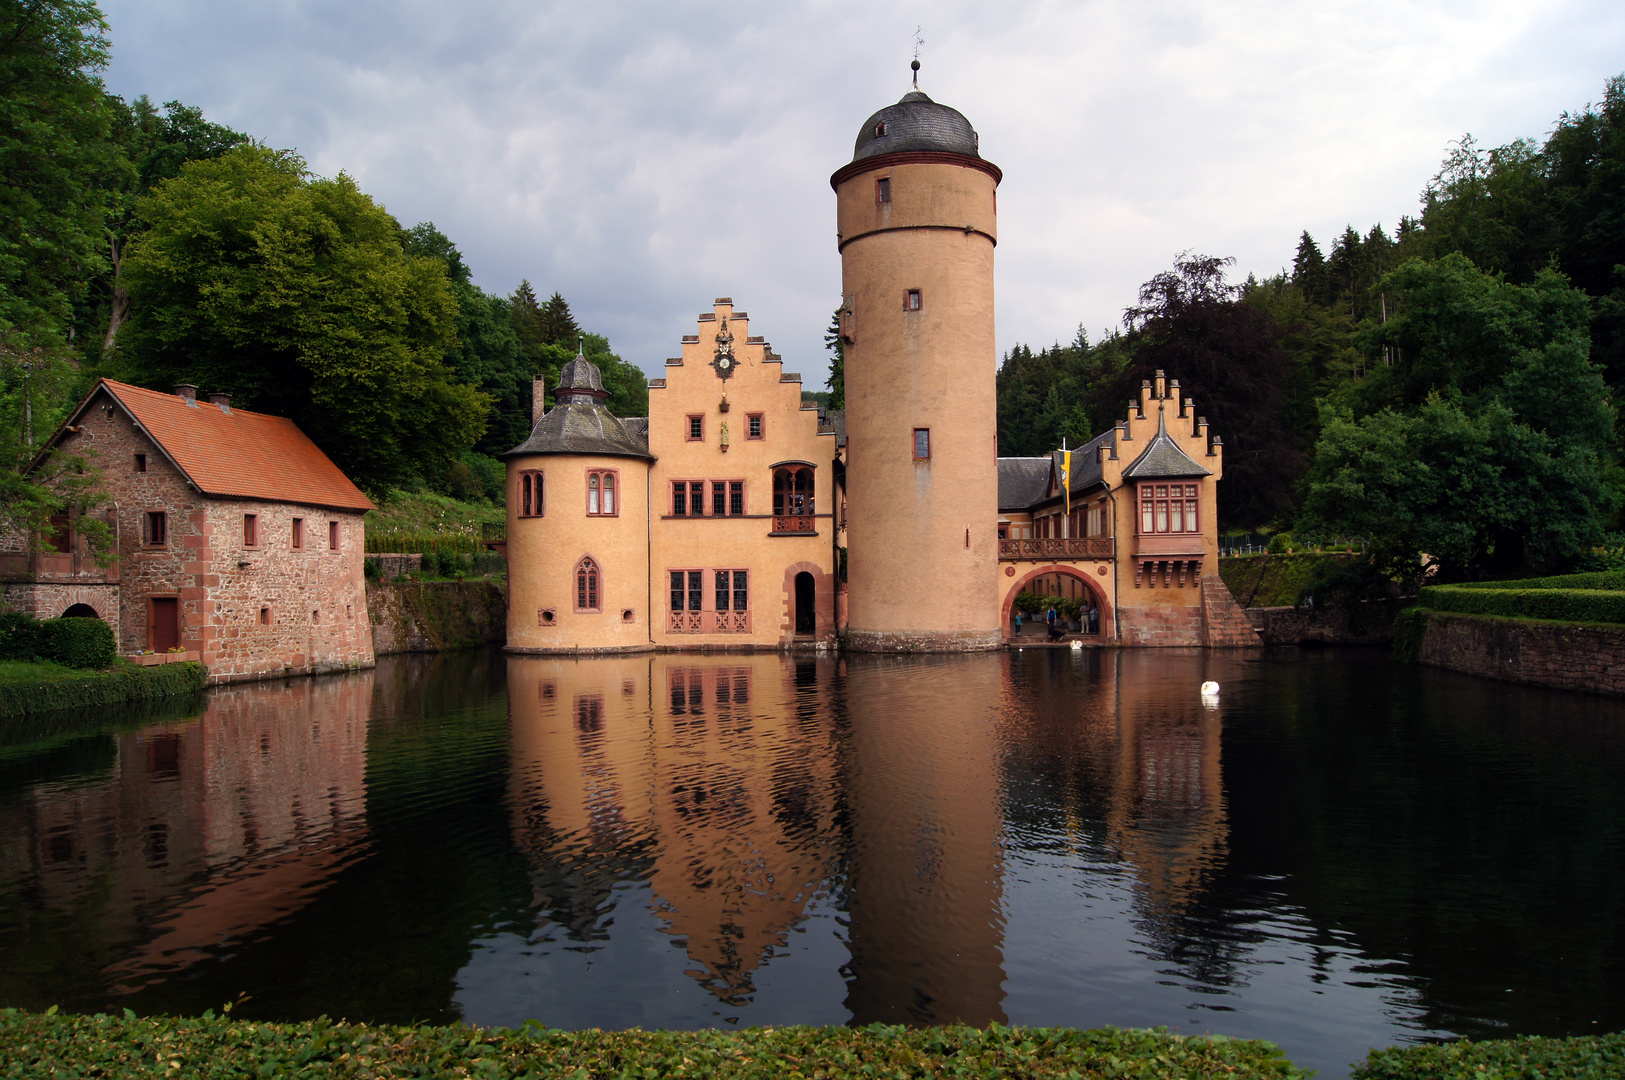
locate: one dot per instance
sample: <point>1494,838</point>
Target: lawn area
<point>25,671</point>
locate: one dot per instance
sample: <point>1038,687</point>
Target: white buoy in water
<point>1210,689</point>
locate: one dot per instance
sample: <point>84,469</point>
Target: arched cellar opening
<point>81,611</point>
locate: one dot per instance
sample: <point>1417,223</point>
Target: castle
<point>734,515</point>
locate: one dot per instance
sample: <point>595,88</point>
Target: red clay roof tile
<point>239,454</point>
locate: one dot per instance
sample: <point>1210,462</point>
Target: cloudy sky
<point>643,158</point>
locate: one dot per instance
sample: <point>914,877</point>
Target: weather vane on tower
<point>918,41</point>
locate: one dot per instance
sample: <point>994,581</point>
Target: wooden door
<point>166,623</point>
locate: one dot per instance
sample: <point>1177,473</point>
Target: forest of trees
<point>150,245</point>
<point>1442,390</point>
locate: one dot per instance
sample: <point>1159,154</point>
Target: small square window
<point>696,428</point>
<point>265,616</point>
<point>141,463</point>
<point>332,536</point>
<point>753,426</point>
<point>298,532</point>
<point>251,530</point>
<point>155,526</point>
<point>883,190</point>
<point>911,300</point>
<point>922,444</point>
<point>316,616</point>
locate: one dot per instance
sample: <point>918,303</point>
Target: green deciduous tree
<point>57,162</point>
<point>296,295</point>
<point>1483,445</point>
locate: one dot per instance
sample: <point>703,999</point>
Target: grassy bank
<point>39,686</point>
<point>127,1047</point>
<point>1275,580</point>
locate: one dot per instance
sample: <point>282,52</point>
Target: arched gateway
<point>1079,582</point>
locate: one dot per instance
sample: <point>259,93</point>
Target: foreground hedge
<point>126,1047</point>
<point>1586,1057</point>
<point>126,682</point>
<point>76,642</point>
<point>1561,605</point>
<point>1603,579</point>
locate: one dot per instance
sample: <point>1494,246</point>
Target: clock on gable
<point>725,361</point>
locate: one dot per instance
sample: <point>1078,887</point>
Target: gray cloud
<point>644,158</point>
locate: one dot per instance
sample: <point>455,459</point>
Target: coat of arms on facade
<point>725,362</point>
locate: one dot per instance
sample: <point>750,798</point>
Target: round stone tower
<point>578,540</point>
<point>915,219</point>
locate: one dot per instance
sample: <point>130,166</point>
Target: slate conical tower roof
<point>580,422</point>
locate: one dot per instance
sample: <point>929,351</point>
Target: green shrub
<point>80,643</point>
<point>210,1046</point>
<point>371,569</point>
<point>1561,605</point>
<point>1410,625</point>
<point>1583,1057</point>
<point>19,636</point>
<point>1282,544</point>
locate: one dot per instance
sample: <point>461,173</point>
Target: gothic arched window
<point>587,585</point>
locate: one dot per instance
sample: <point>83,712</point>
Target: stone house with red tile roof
<point>236,538</point>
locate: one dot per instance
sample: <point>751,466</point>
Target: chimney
<point>186,392</point>
<point>222,400</point>
<point>538,397</point>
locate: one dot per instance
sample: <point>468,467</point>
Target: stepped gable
<point>1163,459</point>
<point>233,453</point>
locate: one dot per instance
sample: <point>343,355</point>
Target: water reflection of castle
<point>743,788</point>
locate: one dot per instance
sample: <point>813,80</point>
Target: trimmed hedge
<point>1612,580</point>
<point>32,1044</point>
<point>78,642</point>
<point>1558,604</point>
<point>126,682</point>
<point>1583,1057</point>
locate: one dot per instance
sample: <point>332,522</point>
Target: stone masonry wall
<point>1566,656</point>
<point>251,612</point>
<point>436,616</point>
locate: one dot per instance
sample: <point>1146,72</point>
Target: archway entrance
<point>806,604</point>
<point>1072,583</point>
<point>81,611</point>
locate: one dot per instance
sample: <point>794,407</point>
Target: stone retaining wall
<point>436,616</point>
<point>1370,623</point>
<point>1568,656</point>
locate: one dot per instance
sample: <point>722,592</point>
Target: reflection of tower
<point>926,819</point>
<point>915,216</point>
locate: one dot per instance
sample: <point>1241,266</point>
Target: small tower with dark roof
<point>916,227</point>
<point>578,557</point>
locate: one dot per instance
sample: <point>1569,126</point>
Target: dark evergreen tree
<point>837,362</point>
<point>556,325</point>
<point>1309,271</point>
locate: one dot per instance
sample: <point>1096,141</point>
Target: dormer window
<point>880,129</point>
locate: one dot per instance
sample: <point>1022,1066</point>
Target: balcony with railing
<point>1058,547</point>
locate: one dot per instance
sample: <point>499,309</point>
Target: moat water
<point>1341,853</point>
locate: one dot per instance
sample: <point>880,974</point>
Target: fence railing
<point>1075,547</point>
